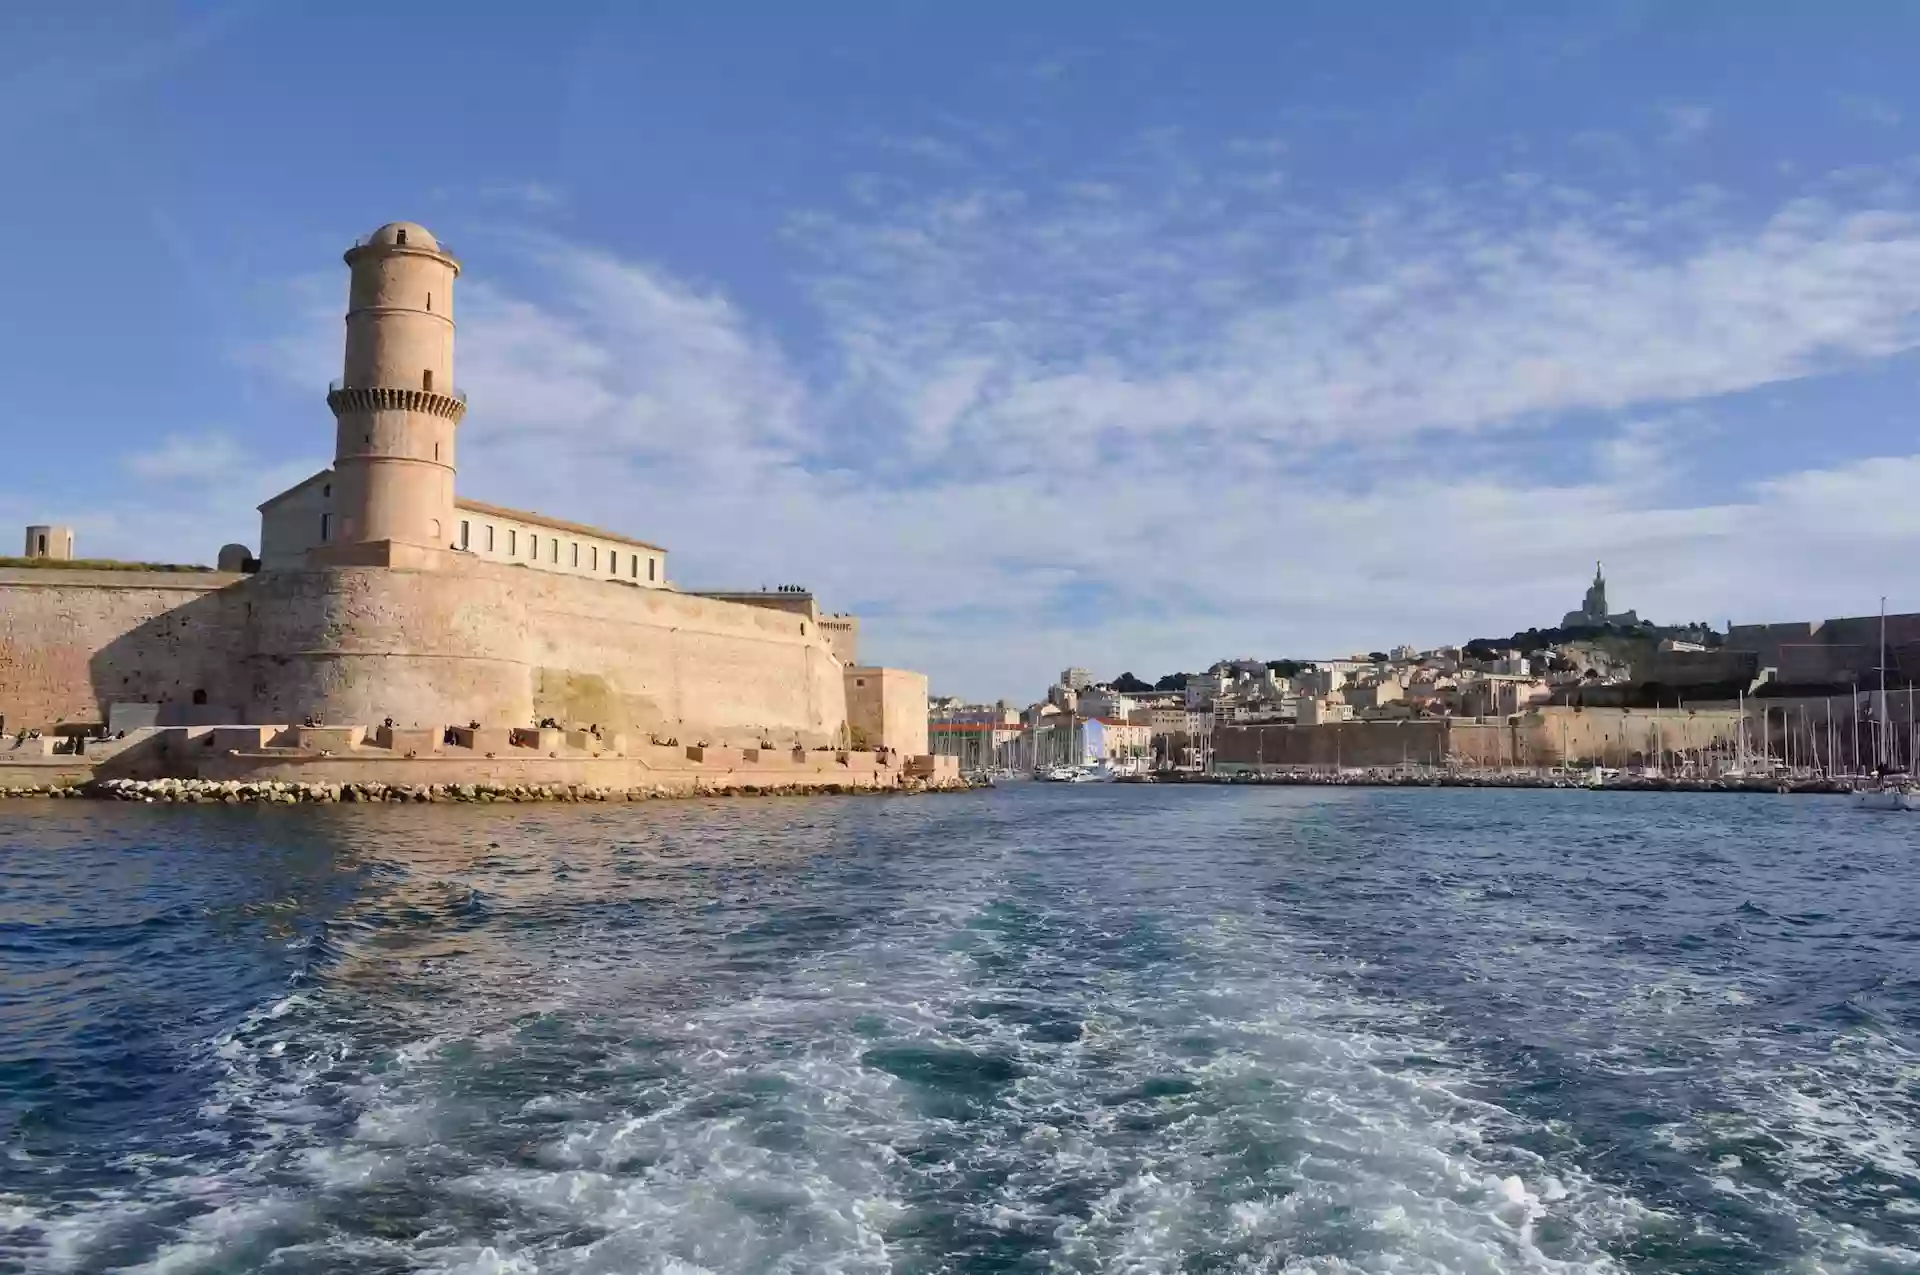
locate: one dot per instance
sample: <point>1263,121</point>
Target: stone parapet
<point>485,739</point>
<point>407,740</point>
<point>322,739</point>
<point>344,399</point>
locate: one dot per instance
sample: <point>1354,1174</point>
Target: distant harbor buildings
<point>1631,694</point>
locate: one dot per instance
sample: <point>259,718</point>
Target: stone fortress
<point>385,609</point>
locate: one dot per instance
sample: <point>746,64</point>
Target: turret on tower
<point>395,403</point>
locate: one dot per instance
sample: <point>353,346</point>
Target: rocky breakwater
<point>230,792</point>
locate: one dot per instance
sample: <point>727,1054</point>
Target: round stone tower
<point>395,403</point>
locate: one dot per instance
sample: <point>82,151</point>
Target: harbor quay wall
<point>473,641</point>
<point>499,757</point>
<point>1549,736</point>
<point>858,771</point>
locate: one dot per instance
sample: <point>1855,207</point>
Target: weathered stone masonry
<point>491,643</point>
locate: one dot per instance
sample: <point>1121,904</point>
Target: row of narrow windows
<point>489,538</point>
<point>534,546</point>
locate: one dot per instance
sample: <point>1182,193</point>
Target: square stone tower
<point>47,541</point>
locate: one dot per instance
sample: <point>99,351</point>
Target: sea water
<point>1049,1027</point>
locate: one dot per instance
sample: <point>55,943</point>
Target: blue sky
<point>1124,335</point>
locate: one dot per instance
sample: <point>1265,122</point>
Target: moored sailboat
<point>1892,787</point>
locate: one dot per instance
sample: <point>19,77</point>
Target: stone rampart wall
<point>70,641</point>
<point>499,644</point>
<point>1545,737</point>
<point>1832,651</point>
<point>1617,736</point>
<point>1362,744</point>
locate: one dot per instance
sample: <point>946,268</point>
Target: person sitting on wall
<point>388,723</point>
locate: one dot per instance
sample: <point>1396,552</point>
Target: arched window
<point>400,237</point>
<point>199,697</point>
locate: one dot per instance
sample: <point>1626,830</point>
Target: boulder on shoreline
<point>234,792</point>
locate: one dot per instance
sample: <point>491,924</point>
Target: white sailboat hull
<point>1887,799</point>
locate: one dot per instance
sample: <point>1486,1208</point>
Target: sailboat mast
<point>1880,725</point>
<point>1740,753</point>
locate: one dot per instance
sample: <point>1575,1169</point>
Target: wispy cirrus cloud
<point>1435,311</point>
<point>205,458</point>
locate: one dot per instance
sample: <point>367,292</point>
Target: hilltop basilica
<point>1593,609</point>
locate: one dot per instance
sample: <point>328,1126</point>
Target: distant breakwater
<point>215,792</point>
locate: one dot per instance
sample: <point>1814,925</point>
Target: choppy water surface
<point>1045,1028</point>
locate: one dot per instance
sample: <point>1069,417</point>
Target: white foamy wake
<point>1808,1130</point>
<point>1002,1075</point>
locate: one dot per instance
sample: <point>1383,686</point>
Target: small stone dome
<point>234,558</point>
<point>410,233</point>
